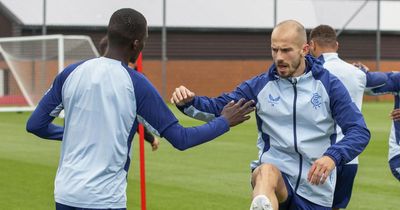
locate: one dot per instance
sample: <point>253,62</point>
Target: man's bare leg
<point>268,181</point>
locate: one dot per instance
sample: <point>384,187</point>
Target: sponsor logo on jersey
<point>273,101</point>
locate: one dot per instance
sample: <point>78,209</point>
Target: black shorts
<point>344,185</point>
<point>296,202</point>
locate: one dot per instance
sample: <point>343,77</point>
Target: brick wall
<point>211,78</point>
<point>36,78</point>
<point>206,77</point>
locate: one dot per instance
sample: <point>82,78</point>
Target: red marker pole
<point>141,149</point>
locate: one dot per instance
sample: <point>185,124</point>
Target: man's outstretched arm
<point>205,108</point>
<point>232,115</point>
<point>165,123</point>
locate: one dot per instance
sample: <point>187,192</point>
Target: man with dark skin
<point>104,100</point>
<point>148,136</point>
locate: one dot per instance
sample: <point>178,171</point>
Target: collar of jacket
<point>327,56</point>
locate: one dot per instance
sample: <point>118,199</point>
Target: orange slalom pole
<point>141,149</point>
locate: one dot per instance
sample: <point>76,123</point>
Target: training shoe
<point>261,202</point>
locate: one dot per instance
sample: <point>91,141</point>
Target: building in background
<point>211,46</point>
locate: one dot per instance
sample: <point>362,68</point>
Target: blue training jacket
<point>296,121</point>
<point>392,86</point>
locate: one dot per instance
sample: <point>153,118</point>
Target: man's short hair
<point>324,35</point>
<point>126,25</point>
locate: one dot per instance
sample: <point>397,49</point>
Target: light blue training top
<point>104,100</point>
<point>355,81</point>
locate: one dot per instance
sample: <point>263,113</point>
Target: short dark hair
<point>324,36</point>
<point>126,25</point>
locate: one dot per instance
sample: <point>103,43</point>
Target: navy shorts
<point>344,185</point>
<point>296,202</point>
<point>60,206</point>
<point>395,166</point>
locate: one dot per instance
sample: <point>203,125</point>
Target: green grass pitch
<point>212,176</point>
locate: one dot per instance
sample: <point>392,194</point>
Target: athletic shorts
<point>395,166</point>
<point>60,206</point>
<point>296,202</point>
<point>344,185</point>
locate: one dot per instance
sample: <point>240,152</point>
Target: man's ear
<point>135,45</point>
<point>313,44</point>
<point>306,49</point>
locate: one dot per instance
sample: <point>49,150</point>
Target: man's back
<point>100,110</point>
<point>352,78</point>
<point>104,100</point>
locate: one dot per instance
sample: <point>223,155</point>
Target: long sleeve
<point>349,118</point>
<point>154,113</point>
<point>205,108</point>
<point>49,107</point>
<point>148,136</point>
<point>183,138</point>
<point>40,122</point>
<point>376,79</point>
<point>391,86</point>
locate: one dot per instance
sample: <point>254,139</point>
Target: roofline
<point>210,29</point>
<point>70,27</point>
<point>387,32</point>
<point>9,14</point>
<point>197,29</point>
<point>155,28</point>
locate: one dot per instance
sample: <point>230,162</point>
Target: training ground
<point>212,176</point>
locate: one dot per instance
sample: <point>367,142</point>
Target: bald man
<point>298,103</point>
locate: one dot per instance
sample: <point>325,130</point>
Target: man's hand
<point>154,145</point>
<point>320,170</point>
<point>181,96</point>
<point>237,113</point>
<point>361,66</point>
<point>395,115</point>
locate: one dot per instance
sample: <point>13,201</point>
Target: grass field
<point>212,176</point>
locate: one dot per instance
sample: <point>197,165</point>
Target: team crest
<point>273,101</point>
<point>316,100</point>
